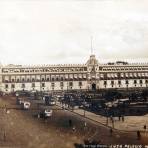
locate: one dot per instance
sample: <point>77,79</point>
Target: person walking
<point>70,123</point>
<point>4,135</point>
<point>144,127</point>
<point>122,118</point>
<point>119,117</point>
<point>5,109</point>
<point>138,135</point>
<point>113,122</point>
<point>111,131</point>
<point>73,128</point>
<point>85,125</point>
<point>111,118</point>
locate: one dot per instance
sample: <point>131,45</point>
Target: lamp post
<point>84,107</point>
<point>84,112</point>
<point>106,115</point>
<point>67,86</point>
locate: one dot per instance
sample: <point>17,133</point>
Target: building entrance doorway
<point>93,86</point>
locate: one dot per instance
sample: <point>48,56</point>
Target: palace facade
<point>88,76</point>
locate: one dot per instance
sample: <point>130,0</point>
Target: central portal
<point>93,86</point>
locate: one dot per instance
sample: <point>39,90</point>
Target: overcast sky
<point>45,31</point>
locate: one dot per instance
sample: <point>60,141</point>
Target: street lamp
<point>106,115</point>
<point>84,112</point>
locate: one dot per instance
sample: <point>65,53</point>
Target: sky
<point>58,32</point>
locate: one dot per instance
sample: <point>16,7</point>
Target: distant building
<point>91,75</point>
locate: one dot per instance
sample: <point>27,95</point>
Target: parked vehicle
<point>18,100</point>
<point>52,102</point>
<point>46,113</point>
<point>85,104</point>
<point>49,100</point>
<point>25,104</point>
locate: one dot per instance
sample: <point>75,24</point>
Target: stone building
<point>91,75</point>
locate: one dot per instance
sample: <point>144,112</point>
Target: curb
<point>102,124</point>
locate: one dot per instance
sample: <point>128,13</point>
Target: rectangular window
<point>112,82</point>
<point>126,82</point>
<point>23,85</point>
<point>80,83</point>
<point>140,81</point>
<point>119,82</point>
<point>33,84</point>
<point>43,84</point>
<point>61,84</point>
<point>105,82</point>
<point>70,84</point>
<point>135,81</point>
<point>52,84</point>
<point>85,68</point>
<point>12,80</point>
<point>6,86</point>
<point>12,86</point>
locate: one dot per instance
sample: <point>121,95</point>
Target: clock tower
<point>92,66</point>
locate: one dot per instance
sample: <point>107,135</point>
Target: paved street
<point>21,129</point>
<point>131,123</point>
